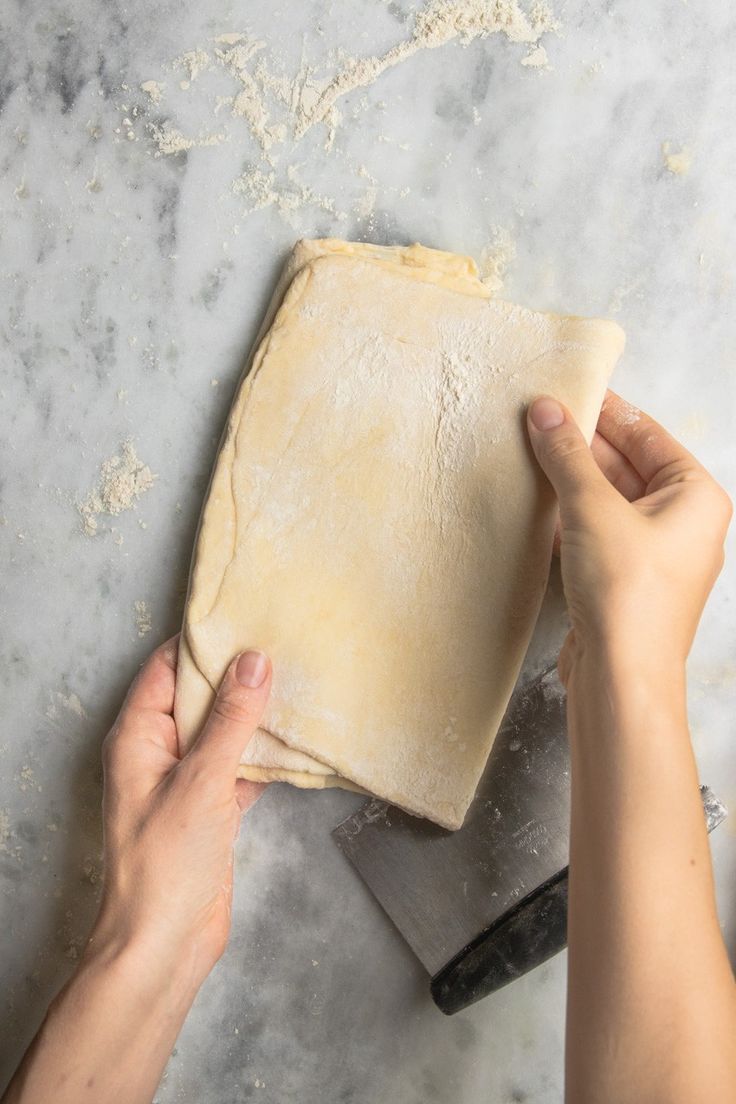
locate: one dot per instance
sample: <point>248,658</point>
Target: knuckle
<point>562,447</point>
<point>683,469</point>
<point>196,771</point>
<point>201,778</point>
<point>231,708</point>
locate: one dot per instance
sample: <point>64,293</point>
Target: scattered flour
<point>623,292</point>
<point>250,102</point>
<point>73,704</point>
<point>193,62</point>
<point>154,90</point>
<point>365,206</point>
<point>536,58</point>
<point>678,163</point>
<point>170,140</point>
<point>70,702</point>
<point>262,190</point>
<point>123,479</point>
<point>25,778</point>
<point>496,257</point>
<point>436,24</point>
<point>92,870</point>
<point>230,39</point>
<point>143,617</point>
<point>279,107</point>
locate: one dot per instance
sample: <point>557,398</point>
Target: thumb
<point>236,711</point>
<point>564,457</point>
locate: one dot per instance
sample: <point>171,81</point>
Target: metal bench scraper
<point>481,906</point>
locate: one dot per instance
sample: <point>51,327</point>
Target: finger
<point>145,718</point>
<point>153,687</point>
<point>617,469</point>
<point>647,446</point>
<point>564,457</point>
<point>247,793</point>
<point>235,714</point>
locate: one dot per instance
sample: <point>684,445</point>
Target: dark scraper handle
<point>522,939</point>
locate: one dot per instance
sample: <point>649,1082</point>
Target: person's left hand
<point>169,822</point>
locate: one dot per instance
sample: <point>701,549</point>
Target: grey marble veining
<point>129,282</point>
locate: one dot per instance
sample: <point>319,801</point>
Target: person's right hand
<point>642,530</point>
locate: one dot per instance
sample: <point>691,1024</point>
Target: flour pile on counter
<point>123,479</point>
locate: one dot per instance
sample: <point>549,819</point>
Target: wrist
<point>144,961</point>
<point>619,657</point>
<point>625,717</point>
<point>607,675</point>
<point>113,1024</point>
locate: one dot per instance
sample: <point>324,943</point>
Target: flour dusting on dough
<point>389,514</point>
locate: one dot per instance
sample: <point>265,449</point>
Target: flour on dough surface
<point>376,523</point>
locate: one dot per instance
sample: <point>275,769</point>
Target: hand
<point>642,532</point>
<point>170,823</point>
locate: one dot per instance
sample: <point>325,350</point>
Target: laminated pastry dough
<point>377,524</point>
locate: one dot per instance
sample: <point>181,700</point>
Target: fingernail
<point>251,669</point>
<point>546,414</point>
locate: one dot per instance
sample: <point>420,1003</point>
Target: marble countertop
<point>141,230</point>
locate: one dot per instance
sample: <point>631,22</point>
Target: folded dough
<point>377,524</point>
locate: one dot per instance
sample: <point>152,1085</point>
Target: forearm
<point>651,1005</point>
<point>109,1033</point>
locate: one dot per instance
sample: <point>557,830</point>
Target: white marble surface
<point>126,272</point>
